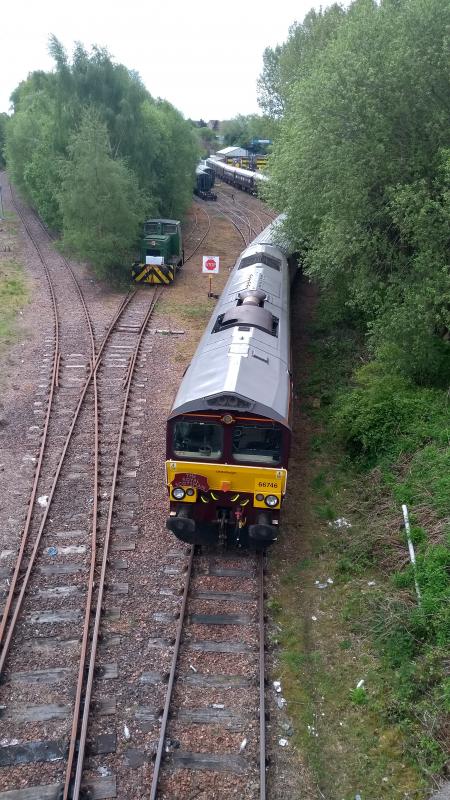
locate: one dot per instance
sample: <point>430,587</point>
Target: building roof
<point>232,151</point>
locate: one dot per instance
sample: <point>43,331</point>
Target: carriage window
<point>169,227</point>
<point>198,440</point>
<point>257,443</point>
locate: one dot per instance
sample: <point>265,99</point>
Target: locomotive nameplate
<point>190,479</point>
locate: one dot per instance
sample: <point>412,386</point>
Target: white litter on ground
<point>340,522</point>
<point>43,500</point>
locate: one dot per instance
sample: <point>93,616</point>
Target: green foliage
<point>361,166</point>
<point>427,481</point>
<point>101,203</point>
<point>400,430</point>
<point>283,66</point>
<point>151,137</point>
<point>3,122</point>
<point>385,416</point>
<point>13,296</point>
<point>358,696</point>
<point>207,140</point>
<point>242,129</point>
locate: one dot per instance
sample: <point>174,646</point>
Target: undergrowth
<point>13,296</point>
<point>392,438</point>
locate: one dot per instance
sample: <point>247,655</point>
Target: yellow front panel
<point>229,478</point>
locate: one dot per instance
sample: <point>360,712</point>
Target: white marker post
<point>412,554</point>
<point>209,267</point>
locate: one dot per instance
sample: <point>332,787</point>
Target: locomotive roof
<point>244,367</point>
<point>154,219</point>
<point>215,162</point>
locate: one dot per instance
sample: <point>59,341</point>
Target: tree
<point>101,204</point>
<point>207,139</point>
<point>154,140</point>
<point>284,65</point>
<point>358,168</point>
<point>3,122</point>
<point>242,129</point>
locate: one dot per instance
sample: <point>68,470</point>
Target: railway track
<point>242,214</point>
<point>51,621</point>
<point>60,725</point>
<point>215,696</point>
<point>197,235</point>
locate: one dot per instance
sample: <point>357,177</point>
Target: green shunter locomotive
<point>161,252</point>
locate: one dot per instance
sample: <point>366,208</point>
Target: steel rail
<point>54,384</point>
<point>94,367</point>
<point>24,537</point>
<point>262,698</point>
<point>203,237</point>
<point>225,213</point>
<point>75,794</point>
<point>251,212</point>
<point>171,681</point>
<point>242,212</point>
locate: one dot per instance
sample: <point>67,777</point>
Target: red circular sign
<point>210,263</point>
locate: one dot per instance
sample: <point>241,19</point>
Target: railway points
<point>62,742</point>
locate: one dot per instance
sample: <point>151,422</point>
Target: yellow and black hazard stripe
<point>149,273</point>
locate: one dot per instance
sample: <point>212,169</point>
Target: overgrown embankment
<point>13,286</point>
<point>361,165</point>
<point>362,662</point>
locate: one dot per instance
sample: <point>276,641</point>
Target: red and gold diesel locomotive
<point>228,433</point>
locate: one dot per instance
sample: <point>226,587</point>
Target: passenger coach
<point>228,433</point>
<point>243,179</point>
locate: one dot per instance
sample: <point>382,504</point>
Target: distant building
<point>232,152</point>
<point>214,124</point>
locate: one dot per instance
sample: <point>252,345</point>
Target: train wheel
<point>223,530</point>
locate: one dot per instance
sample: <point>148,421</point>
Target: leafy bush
<point>384,416</point>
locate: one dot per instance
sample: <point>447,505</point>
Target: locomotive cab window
<point>198,440</point>
<point>257,443</point>
<point>169,227</point>
<point>151,228</point>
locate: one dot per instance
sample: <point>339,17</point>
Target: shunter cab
<point>161,252</point>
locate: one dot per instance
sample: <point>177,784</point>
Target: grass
<point>14,292</point>
<point>383,737</point>
<point>13,296</point>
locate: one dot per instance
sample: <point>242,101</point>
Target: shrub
<point>384,415</point>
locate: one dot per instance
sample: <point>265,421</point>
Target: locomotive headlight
<point>178,493</point>
<point>190,492</point>
<point>259,498</point>
<point>271,501</point>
